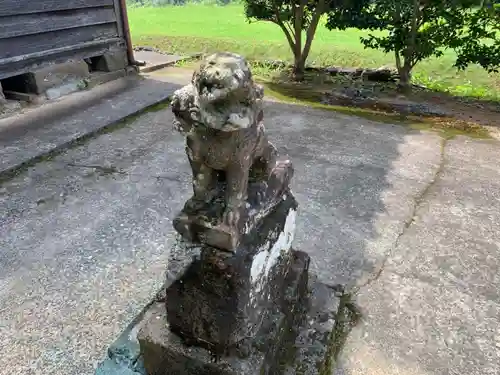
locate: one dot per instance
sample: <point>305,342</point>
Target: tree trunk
<point>405,79</point>
<point>408,52</point>
<point>298,68</point>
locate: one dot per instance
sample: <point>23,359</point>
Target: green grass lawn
<point>207,28</point>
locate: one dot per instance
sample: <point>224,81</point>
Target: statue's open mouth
<point>210,85</point>
<point>212,90</point>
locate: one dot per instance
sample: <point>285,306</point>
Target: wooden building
<point>35,34</point>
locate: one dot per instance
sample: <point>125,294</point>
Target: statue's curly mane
<point>222,95</point>
<point>227,72</point>
<point>225,92</point>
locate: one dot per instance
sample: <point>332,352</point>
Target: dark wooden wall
<point>39,32</point>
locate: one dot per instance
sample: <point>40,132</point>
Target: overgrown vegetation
<point>198,28</point>
<point>412,30</point>
<point>416,30</point>
<point>163,3</point>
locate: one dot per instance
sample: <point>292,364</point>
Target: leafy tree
<point>481,44</point>
<point>414,29</point>
<point>296,18</point>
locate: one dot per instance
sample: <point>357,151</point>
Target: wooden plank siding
<point>13,26</point>
<point>34,33</point>
<point>16,7</point>
<point>28,44</point>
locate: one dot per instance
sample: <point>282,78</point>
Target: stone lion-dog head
<point>222,94</point>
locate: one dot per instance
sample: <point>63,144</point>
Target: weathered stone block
<point>269,352</point>
<point>223,297</point>
<point>66,89</point>
<point>23,97</point>
<point>111,61</point>
<point>302,335</point>
<point>41,80</point>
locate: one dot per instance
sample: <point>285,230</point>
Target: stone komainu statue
<point>235,168</point>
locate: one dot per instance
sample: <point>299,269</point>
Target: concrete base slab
<point>52,126</point>
<point>155,60</point>
<point>90,245</point>
<point>94,79</point>
<point>435,308</point>
<point>173,74</point>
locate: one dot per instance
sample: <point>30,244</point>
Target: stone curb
<point>154,67</point>
<point>158,66</point>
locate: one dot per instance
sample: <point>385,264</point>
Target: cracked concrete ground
<point>84,239</point>
<point>435,309</point>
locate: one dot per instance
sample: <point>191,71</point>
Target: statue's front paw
<point>194,205</point>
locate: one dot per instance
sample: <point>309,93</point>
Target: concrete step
<point>38,132</point>
<point>155,60</point>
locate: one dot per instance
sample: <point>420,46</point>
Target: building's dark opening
<point>22,83</point>
<point>96,64</point>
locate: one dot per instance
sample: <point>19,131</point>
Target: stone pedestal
<point>297,337</point>
<point>302,335</point>
<point>222,303</point>
<point>223,297</point>
<point>269,350</point>
<point>248,312</point>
